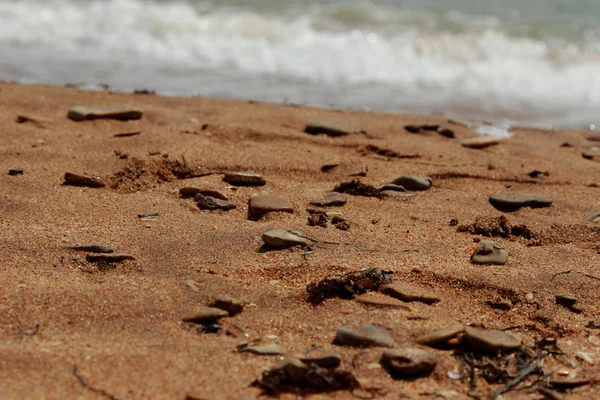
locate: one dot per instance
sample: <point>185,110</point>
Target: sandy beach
<point>75,328</point>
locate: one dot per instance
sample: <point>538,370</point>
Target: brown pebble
<point>121,113</point>
<point>242,179</point>
<point>260,205</point>
<point>378,300</point>
<point>193,191</point>
<point>481,142</point>
<point>229,304</point>
<point>81,180</point>
<point>330,199</point>
<point>408,362</point>
<point>205,314</point>
<point>317,128</point>
<point>213,203</point>
<point>442,336</point>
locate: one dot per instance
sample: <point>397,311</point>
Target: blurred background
<point>527,61</point>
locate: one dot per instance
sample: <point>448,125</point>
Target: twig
<point>549,394</point>
<point>560,273</point>
<point>91,388</point>
<point>591,276</point>
<point>525,372</point>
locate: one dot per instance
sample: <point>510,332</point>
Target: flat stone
<point>392,187</point>
<point>413,182</point>
<point>241,179</point>
<point>193,191</point>
<point>408,362</point>
<point>317,128</point>
<point>503,305</point>
<point>591,154</point>
<point>363,336</point>
<point>229,304</point>
<point>272,349</point>
<point>481,142</point>
<point>593,138</point>
<point>446,132</point>
<point>108,258</point>
<point>512,202</point>
<point>147,214</point>
<point>325,361</point>
<point>491,341</point>
<point>263,204</point>
<point>565,300</point>
<point>331,199</point>
<point>442,336</point>
<point>121,113</point>
<point>281,239</point>
<point>594,217</point>
<point>407,292</point>
<point>205,314</point>
<point>490,252</point>
<point>82,180</point>
<point>92,248</point>
<point>212,203</point>
<point>377,300</point>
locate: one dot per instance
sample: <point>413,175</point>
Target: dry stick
<point>525,372</point>
<point>560,273</point>
<point>91,388</point>
<point>577,272</point>
<point>591,276</point>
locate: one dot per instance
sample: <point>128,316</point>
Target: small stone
<point>13,172</point>
<point>193,191</point>
<point>590,154</point>
<point>92,248</point>
<point>593,138</point>
<point>491,341</point>
<point>377,300</point>
<point>212,203</point>
<point>363,336</point>
<point>594,217</point>
<point>108,258</point>
<point>490,253</point>
<point>231,305</point>
<point>562,385</point>
<point>449,133</point>
<point>593,325</point>
<point>408,362</point>
<point>503,305</point>
<point>481,142</point>
<point>272,349</point>
<point>241,179</point>
<point>407,292</point>
<point>81,180</point>
<point>260,205</point>
<point>512,202</point>
<point>324,361</point>
<point>281,239</point>
<point>121,113</point>
<point>316,128</point>
<point>442,336</point>
<point>584,357</point>
<point>212,327</point>
<point>205,315</point>
<point>412,182</point>
<point>331,199</point>
<point>329,167</point>
<point>147,214</point>
<point>565,300</point>
<point>391,186</point>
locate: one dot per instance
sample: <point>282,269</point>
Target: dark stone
<point>14,172</point>
<point>212,203</point>
<point>241,179</point>
<point>315,128</point>
<point>81,180</point>
<point>512,202</point>
<point>121,113</point>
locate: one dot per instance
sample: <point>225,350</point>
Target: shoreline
<point>121,324</point>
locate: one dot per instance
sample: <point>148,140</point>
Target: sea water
<point>524,61</point>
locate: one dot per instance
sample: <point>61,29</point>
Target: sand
<point>120,328</point>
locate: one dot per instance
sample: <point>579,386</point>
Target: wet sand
<point>121,327</point>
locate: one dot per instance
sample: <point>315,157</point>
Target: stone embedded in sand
<point>594,217</point>
<point>591,154</point>
<point>205,314</point>
<point>512,202</point>
<point>229,304</point>
<point>263,204</point>
<point>566,301</point>
<point>407,292</point>
<point>449,133</point>
<point>324,361</point>
<point>503,305</point>
<point>481,142</point>
<point>593,138</point>
<point>391,186</point>
<point>281,239</point>
<point>412,182</point>
<point>442,336</point>
<point>363,336</point>
<point>212,203</point>
<point>92,248</point>
<point>193,191</point>
<point>490,252</point>
<point>272,349</point>
<point>121,113</point>
<point>491,341</point>
<point>408,362</point>
<point>242,179</point>
<point>331,199</point>
<point>316,128</point>
<point>377,300</point>
<point>82,180</point>
<point>108,258</point>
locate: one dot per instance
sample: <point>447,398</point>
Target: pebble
<point>481,142</point>
<point>281,239</point>
<point>272,349</point>
<point>317,128</point>
<point>92,248</point>
<point>413,182</point>
<point>121,113</point>
<point>231,305</point>
<point>449,133</point>
<point>331,199</point>
<point>193,191</point>
<point>491,341</point>
<point>205,315</point>
<point>593,325</point>
<point>490,252</point>
<point>503,305</point>
<point>565,300</point>
<point>329,167</point>
<point>148,214</point>
<point>324,361</point>
<point>213,203</point>
<point>15,171</point>
<point>109,258</point>
<point>407,292</point>
<point>391,186</point>
<point>591,153</point>
<point>355,335</point>
<point>584,357</point>
<point>442,336</point>
<point>81,180</point>
<point>242,179</point>
<point>408,362</point>
<point>263,204</point>
<point>593,138</point>
<point>512,202</point>
<point>594,217</point>
<point>374,299</point>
